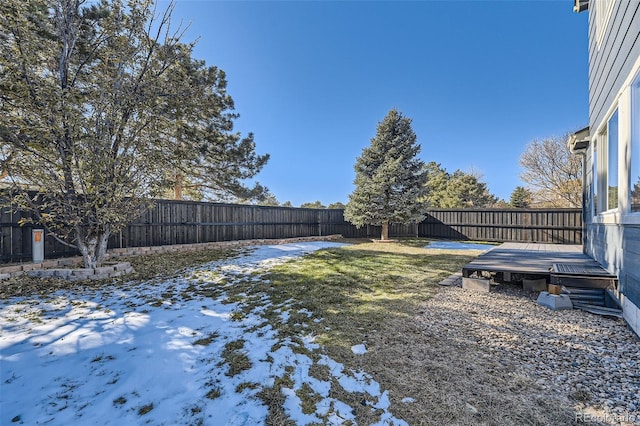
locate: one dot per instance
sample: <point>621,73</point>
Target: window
<point>605,167</point>
<point>612,162</point>
<point>634,174</point>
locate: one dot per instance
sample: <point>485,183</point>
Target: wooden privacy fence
<point>185,222</point>
<point>559,226</point>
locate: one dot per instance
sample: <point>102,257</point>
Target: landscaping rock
<point>82,273</point>
<point>104,270</point>
<point>11,269</point>
<point>586,360</point>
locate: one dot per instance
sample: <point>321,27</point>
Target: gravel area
<point>589,362</point>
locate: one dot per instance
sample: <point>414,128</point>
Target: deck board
<point>529,258</point>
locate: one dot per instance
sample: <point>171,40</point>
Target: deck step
<point>599,310</point>
<point>573,296</point>
<point>590,275</point>
<point>593,300</point>
<point>585,296</point>
<point>580,290</point>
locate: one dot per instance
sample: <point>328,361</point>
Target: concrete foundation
<point>555,302</point>
<point>476,284</point>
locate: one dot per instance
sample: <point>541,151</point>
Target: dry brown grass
<point>378,294</point>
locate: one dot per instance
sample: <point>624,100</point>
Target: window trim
<point>609,202</point>
<point>634,141</point>
<point>595,180</point>
<point>601,166</point>
<point>603,12</point>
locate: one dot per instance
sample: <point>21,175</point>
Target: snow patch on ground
<point>135,356</point>
<point>455,245</point>
<point>359,349</point>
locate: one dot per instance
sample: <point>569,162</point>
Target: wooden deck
<point>532,259</point>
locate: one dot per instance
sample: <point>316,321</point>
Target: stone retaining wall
<point>135,251</point>
<point>64,268</point>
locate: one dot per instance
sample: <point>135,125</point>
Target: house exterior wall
<point>613,236</point>
<point>612,59</point>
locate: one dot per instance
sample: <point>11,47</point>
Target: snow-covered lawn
<point>171,352</point>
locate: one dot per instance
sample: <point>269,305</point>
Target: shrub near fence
<point>185,222</point>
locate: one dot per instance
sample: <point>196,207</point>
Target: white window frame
<point>612,180</point>
<point>602,213</point>
<point>634,140</point>
<point>603,11</point>
<point>595,181</point>
<point>631,147</point>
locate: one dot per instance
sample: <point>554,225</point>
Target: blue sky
<point>311,80</point>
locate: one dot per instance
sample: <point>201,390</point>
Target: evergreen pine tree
<point>103,109</point>
<point>466,190</point>
<point>390,179</point>
<point>521,197</point>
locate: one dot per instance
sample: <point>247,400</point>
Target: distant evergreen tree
<point>500,204</point>
<point>436,186</point>
<point>466,190</point>
<point>265,199</point>
<point>457,190</point>
<point>521,198</point>
<point>314,205</point>
<point>390,179</point>
<point>287,204</point>
<point>337,205</point>
<point>268,199</point>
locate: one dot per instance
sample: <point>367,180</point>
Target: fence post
<point>37,245</point>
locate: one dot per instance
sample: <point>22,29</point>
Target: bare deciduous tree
<point>553,173</point>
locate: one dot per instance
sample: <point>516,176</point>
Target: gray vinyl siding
<point>615,246</point>
<point>588,201</point>
<point>630,275</point>
<point>604,245</point>
<point>610,64</point>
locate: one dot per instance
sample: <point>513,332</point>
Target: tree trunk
<point>178,188</point>
<point>92,244</point>
<point>385,231</point>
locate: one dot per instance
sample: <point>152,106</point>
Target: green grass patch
<point>213,393</point>
<point>206,341</point>
<point>309,398</point>
<point>274,399</point>
<point>357,289</point>
<point>145,409</point>
<point>235,358</point>
<point>120,401</point>
<point>320,372</point>
<point>246,385</point>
